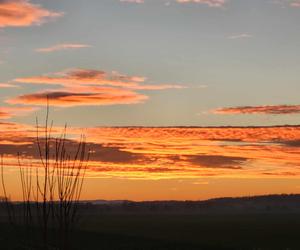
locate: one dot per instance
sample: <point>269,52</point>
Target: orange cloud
<point>211,3</point>
<point>80,77</point>
<point>21,13</point>
<point>17,133</point>
<point>273,110</point>
<point>187,134</point>
<point>71,99</point>
<point>175,153</point>
<point>88,87</point>
<point>244,152</point>
<point>7,85</point>
<point>9,112</point>
<point>64,46</point>
<point>4,115</point>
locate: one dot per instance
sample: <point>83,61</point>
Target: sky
<point>179,99</point>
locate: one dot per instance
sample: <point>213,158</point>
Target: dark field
<point>162,231</point>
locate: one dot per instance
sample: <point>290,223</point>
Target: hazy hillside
<point>256,204</point>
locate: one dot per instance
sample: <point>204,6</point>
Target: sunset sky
<point>178,99</point>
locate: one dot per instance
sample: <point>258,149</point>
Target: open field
<point>180,232</point>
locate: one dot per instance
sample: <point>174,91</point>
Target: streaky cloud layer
<point>71,99</point>
<point>268,109</point>
<point>7,85</point>
<point>175,152</point>
<point>9,112</point>
<point>82,87</point>
<point>63,46</point>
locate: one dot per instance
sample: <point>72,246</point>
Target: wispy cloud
<point>81,87</point>
<point>21,13</point>
<point>9,112</point>
<point>269,109</point>
<point>240,36</point>
<point>71,99</point>
<point>7,85</point>
<point>77,78</point>
<point>132,1</point>
<point>63,46</point>
<point>211,3</point>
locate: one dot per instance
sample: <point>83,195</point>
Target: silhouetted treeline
<point>255,204</point>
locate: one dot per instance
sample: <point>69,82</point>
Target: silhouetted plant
<point>5,199</point>
<point>54,187</point>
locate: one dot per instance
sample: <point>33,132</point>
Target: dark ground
<point>176,232</point>
<point>249,223</point>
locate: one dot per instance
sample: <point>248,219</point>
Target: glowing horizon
<point>195,156</point>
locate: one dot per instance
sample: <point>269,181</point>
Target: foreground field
<point>139,232</point>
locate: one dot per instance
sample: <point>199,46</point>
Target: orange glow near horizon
<point>179,162</point>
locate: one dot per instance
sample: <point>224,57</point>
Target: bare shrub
<point>52,185</point>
